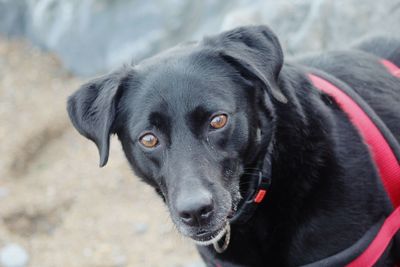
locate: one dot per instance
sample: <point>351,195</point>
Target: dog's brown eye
<point>219,121</point>
<point>149,140</point>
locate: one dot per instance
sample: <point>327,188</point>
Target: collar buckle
<point>251,202</point>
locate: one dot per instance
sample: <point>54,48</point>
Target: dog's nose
<point>196,210</point>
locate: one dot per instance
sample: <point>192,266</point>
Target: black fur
<point>325,191</point>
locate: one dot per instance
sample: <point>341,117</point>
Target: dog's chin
<point>205,238</point>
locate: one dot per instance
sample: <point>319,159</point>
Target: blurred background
<point>57,208</point>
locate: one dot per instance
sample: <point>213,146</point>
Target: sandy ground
<point>54,200</point>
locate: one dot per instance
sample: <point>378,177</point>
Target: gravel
<point>56,203</point>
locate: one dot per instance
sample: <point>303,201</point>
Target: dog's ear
<point>92,109</point>
<point>255,52</point>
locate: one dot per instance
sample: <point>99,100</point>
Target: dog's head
<point>191,121</point>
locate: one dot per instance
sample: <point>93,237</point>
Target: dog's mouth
<point>205,238</point>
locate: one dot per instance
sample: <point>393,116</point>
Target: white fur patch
<point>214,239</point>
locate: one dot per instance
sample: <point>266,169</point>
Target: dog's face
<point>190,120</point>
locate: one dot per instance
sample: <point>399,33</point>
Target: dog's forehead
<point>184,82</point>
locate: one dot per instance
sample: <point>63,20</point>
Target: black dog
<point>201,120</point>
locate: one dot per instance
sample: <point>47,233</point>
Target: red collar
<point>383,155</point>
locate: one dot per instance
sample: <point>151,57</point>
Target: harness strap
<point>392,68</point>
<point>382,154</point>
<point>382,240</point>
<point>385,153</point>
<point>385,159</point>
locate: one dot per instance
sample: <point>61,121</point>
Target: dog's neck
<point>293,175</point>
<point>307,180</point>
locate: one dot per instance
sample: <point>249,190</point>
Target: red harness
<point>385,160</point>
<point>383,154</point>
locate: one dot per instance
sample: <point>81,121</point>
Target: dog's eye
<point>149,140</point>
<point>219,121</point>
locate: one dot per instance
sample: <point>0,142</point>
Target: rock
<point>13,17</point>
<point>120,260</point>
<point>4,192</point>
<point>312,25</point>
<point>13,255</point>
<point>95,36</point>
<point>195,264</point>
<point>141,228</point>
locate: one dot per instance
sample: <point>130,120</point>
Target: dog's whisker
<point>250,174</point>
<point>252,169</point>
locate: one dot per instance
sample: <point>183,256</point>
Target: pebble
<point>195,264</point>
<point>13,255</point>
<point>141,228</point>
<point>4,192</point>
<point>120,260</point>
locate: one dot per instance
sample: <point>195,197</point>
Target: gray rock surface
<point>13,17</point>
<point>93,36</point>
